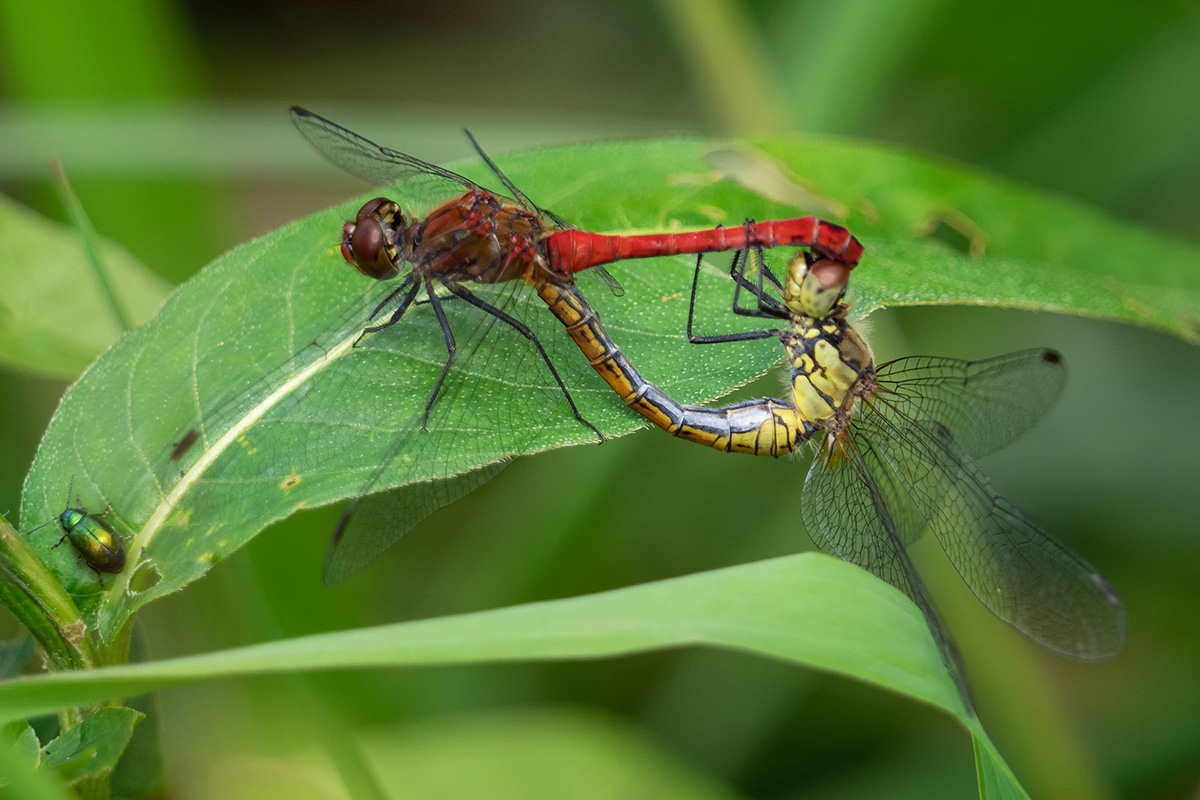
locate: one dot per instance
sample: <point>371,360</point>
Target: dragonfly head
<point>813,290</point>
<point>371,243</point>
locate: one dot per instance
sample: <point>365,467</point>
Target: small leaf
<point>22,739</point>
<point>93,747</point>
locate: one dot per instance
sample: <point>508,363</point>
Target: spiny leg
<point>727,337</point>
<point>451,347</point>
<point>400,311</point>
<point>765,306</point>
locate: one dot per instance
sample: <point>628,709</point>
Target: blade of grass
<point>89,239</point>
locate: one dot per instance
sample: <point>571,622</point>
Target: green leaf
<point>305,430</point>
<point>55,317</point>
<point>996,779</point>
<point>22,739</point>
<point>808,609</point>
<point>93,747</point>
<point>19,778</point>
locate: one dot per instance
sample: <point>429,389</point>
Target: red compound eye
<point>347,252</point>
<point>367,247</point>
<point>369,208</point>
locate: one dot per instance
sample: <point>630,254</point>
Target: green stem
<point>38,600</point>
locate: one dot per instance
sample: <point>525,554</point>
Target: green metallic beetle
<point>100,547</point>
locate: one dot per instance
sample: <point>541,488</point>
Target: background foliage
<point>169,120</point>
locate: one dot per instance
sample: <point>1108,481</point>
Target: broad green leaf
<point>306,431</point>
<point>92,748</point>
<point>54,316</point>
<point>809,609</point>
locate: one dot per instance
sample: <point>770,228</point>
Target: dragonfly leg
<point>766,306</point>
<point>451,347</point>
<point>753,242</point>
<point>396,316</point>
<point>404,284</point>
<point>524,330</point>
<point>726,337</point>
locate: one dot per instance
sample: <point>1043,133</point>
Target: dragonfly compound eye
<point>814,290</point>
<point>369,208</point>
<point>368,250</point>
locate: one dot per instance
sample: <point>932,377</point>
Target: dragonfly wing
<point>380,519</point>
<point>419,184</point>
<point>280,364</point>
<point>601,275</point>
<point>854,508</point>
<point>1020,572</point>
<point>497,399</point>
<point>983,404</point>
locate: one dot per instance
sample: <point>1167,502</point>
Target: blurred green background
<point>169,118</point>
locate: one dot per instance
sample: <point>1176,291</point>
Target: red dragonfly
<point>523,232</point>
<point>456,232</point>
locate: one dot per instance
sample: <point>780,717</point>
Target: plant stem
<point>39,601</point>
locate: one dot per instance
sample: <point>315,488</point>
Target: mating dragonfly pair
<point>895,443</point>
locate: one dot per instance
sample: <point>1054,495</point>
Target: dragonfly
<point>895,447</point>
<point>446,241</point>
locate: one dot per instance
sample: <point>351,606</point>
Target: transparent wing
<point>1021,573</point>
<point>854,508</point>
<point>499,395</point>
<point>983,404</point>
<point>278,365</point>
<point>419,185</point>
<point>601,275</point>
<point>379,520</point>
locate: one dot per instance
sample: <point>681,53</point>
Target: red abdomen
<point>572,251</point>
